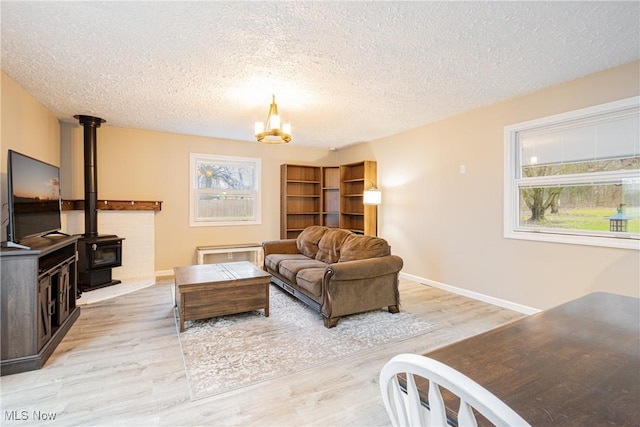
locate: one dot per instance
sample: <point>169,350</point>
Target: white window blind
<point>611,136</point>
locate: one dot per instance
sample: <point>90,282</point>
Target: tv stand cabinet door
<point>64,294</point>
<point>44,311</point>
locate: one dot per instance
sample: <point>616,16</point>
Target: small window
<point>575,177</point>
<point>224,190</point>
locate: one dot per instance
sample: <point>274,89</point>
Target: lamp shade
<point>274,122</point>
<point>259,128</point>
<point>372,196</point>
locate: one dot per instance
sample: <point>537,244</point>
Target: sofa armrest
<point>356,286</point>
<point>364,268</point>
<point>286,246</point>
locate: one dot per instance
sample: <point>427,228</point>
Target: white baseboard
<point>161,273</point>
<point>471,294</point>
<point>125,287</point>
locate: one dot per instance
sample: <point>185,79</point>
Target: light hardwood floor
<point>120,364</point>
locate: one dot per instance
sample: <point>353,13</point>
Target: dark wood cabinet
<point>38,300</point>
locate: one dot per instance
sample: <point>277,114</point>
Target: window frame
<point>194,158</point>
<point>512,180</point>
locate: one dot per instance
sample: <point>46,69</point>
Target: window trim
<point>193,158</point>
<point>511,196</point>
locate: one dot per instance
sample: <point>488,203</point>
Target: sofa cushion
<point>363,247</point>
<point>272,261</point>
<point>310,279</point>
<point>307,241</point>
<point>289,268</point>
<point>329,245</point>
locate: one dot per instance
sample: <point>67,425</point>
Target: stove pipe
<point>90,124</point>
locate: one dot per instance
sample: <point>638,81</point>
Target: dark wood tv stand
<point>38,300</point>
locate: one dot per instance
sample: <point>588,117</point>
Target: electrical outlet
<point>229,255</point>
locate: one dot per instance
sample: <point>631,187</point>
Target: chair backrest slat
<point>465,415</point>
<point>437,412</point>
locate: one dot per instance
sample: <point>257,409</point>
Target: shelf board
<point>301,181</point>
<point>303,213</point>
<point>304,195</point>
<point>353,213</point>
<point>115,205</point>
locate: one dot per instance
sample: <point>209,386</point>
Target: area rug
<point>230,352</point>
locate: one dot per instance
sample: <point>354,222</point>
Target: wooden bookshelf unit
<point>327,195</point>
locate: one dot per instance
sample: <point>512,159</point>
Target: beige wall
<point>27,127</point>
<point>448,227</point>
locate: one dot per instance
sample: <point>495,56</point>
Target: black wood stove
<point>97,254</point>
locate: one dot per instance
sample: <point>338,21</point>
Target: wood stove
<point>97,255</point>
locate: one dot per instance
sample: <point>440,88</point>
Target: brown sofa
<point>335,271</point>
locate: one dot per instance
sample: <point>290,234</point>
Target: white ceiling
<point>342,72</point>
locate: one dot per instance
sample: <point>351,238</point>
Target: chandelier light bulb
<point>274,122</point>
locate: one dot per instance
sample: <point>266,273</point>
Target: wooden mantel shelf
<point>115,205</point>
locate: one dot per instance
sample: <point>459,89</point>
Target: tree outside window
<point>224,190</point>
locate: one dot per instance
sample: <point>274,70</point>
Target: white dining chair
<point>405,409</point>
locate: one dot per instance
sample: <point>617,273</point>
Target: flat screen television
<point>34,197</point>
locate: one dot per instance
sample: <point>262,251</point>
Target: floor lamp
<point>373,196</point>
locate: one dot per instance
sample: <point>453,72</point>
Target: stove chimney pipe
<point>90,124</point>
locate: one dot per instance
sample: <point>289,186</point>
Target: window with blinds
<point>575,177</point>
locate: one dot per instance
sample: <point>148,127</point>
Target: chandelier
<point>272,133</point>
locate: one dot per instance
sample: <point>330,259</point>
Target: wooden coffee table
<point>211,290</point>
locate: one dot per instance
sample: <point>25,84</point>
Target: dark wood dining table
<point>577,364</point>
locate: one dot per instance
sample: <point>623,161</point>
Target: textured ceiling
<point>342,72</point>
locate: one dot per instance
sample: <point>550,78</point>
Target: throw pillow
<point>329,245</point>
<point>307,241</point>
<point>363,247</point>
